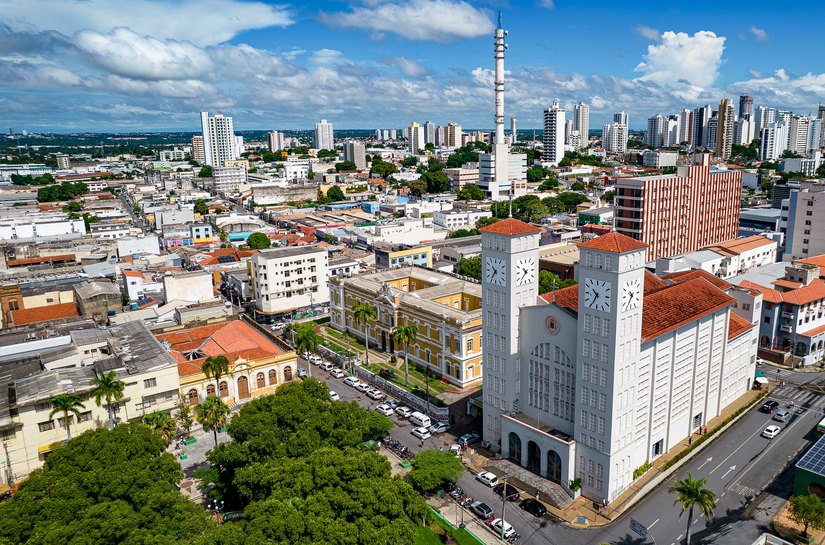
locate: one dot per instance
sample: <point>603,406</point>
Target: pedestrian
<point>690,439</point>
<point>422,443</point>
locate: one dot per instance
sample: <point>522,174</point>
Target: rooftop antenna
<point>499,18</point>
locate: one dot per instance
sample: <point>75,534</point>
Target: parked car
<point>512,493</point>
<point>422,433</point>
<point>781,415</point>
<point>333,395</point>
<point>393,404</point>
<point>374,393</point>
<point>468,439</point>
<point>769,406</point>
<point>336,372</point>
<point>771,432</point>
<point>302,374</point>
<point>440,427</point>
<point>325,365</point>
<point>315,360</point>
<point>482,509</point>
<point>384,409</point>
<point>497,524</point>
<point>278,325</point>
<point>362,387</point>
<point>352,381</point>
<point>487,478</point>
<point>456,449</point>
<point>534,507</point>
<point>403,412</point>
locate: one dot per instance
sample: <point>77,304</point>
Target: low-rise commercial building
<point>390,256</point>
<point>289,279</point>
<point>195,286</point>
<point>459,218</point>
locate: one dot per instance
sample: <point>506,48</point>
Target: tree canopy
<point>258,241</point>
<point>537,173</point>
<point>345,166</point>
<point>205,172</point>
<point>469,267</point>
<point>62,192</point>
<point>467,154</point>
<point>808,510</point>
<point>470,192</point>
<point>335,194</point>
<point>432,468</point>
<point>547,278</point>
<point>201,207</point>
<point>382,168</point>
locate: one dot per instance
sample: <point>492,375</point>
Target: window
<point>470,345</point>
<point>809,212</point>
<point>42,406</point>
<point>767,319</point>
<point>46,426</point>
<point>150,383</point>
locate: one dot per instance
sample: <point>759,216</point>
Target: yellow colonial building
<point>444,308</point>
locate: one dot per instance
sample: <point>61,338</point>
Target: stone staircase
<point>523,479</point>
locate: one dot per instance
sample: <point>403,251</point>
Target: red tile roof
<point>679,304</point>
<point>43,314</point>
<point>768,294</point>
<point>683,276</point>
<point>814,332</point>
<point>653,282</point>
<point>614,242</point>
<point>37,260</point>
<point>740,245</point>
<point>817,260</point>
<point>782,283</point>
<point>569,297</point>
<point>511,227</point>
<point>133,274</point>
<point>737,325</point>
<point>801,296</point>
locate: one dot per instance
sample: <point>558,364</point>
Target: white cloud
<point>648,32</point>
<point>681,59</point>
<point>409,67</point>
<point>759,34</point>
<point>326,56</point>
<point>203,22</point>
<point>125,53</point>
<point>436,20</point>
<point>549,4</point>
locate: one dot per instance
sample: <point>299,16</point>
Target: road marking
<point>652,524</point>
<point>731,468</point>
<point>723,495</point>
<point>680,537</point>
<point>709,460</point>
<point>745,442</point>
<point>696,521</point>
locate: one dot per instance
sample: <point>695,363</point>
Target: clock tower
<point>510,280</point>
<point>611,291</point>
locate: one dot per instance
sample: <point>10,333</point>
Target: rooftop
<point>683,276</point>
<point>510,227</point>
<point>741,245</point>
<point>43,314</point>
<point>801,296</point>
<point>613,242</point>
<point>289,251</point>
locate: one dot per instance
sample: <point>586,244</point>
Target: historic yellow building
<point>445,309</point>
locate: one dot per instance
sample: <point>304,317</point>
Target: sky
<point>142,65</point>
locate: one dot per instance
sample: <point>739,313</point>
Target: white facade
<point>275,141</point>
<point>219,143</point>
<point>356,153</point>
<point>228,179</point>
<point>416,137</point>
<point>581,123</point>
<point>172,216</point>
<point>138,245</point>
<point>429,132</point>
<point>614,137</point>
<point>553,151</point>
<point>40,228</point>
<point>195,287</point>
<point>324,135</point>
<point>655,131</point>
<point>285,279</point>
<point>459,219</point>
<point>773,141</point>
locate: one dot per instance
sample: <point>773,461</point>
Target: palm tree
<point>692,493</point>
<point>66,403</point>
<point>163,423</point>
<point>215,368</point>
<point>212,415</point>
<point>306,340</point>
<point>405,335</point>
<point>362,314</point>
<point>107,387</point>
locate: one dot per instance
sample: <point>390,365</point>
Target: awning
<point>42,449</point>
<point>761,380</point>
<point>759,374</point>
<point>4,488</point>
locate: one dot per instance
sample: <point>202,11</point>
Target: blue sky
<point>112,65</point>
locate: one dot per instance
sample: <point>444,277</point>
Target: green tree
<point>537,173</point>
<point>461,233</point>
<point>417,187</point>
<point>437,181</point>
<point>547,280</point>
<point>335,194</point>
<point>183,416</point>
<point>306,339</point>
<point>432,468</point>
<point>65,404</point>
<point>691,493</point>
<point>410,161</point>
<point>405,335</point>
<point>363,314</point>
<point>216,367</point>
<point>344,166</point>
<point>382,168</point>
<point>106,386</point>
<point>484,222</point>
<point>258,241</point>
<point>212,414</point>
<point>223,235</point>
<point>201,207</point>
<point>205,172</point>
<point>469,267</point>
<point>470,192</point>
<point>73,206</point>
<point>608,196</point>
<point>820,171</point>
<point>577,186</point>
<point>549,184</point>
<point>570,200</point>
<point>163,424</point>
<point>808,510</point>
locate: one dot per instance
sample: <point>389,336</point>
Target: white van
<point>420,419</point>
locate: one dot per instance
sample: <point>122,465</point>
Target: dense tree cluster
<point>258,241</point>
<point>334,194</point>
<point>28,179</point>
<point>345,166</point>
<point>470,192</point>
<point>467,154</point>
<point>62,192</point>
<point>381,168</point>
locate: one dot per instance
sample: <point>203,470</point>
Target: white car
<point>375,394</point>
<point>498,523</point>
<point>771,432</point>
<point>336,372</point>
<point>403,412</point>
<point>487,478</point>
<point>352,381</point>
<point>333,395</point>
<point>422,433</point>
<point>386,410</point>
<point>315,360</point>
<point>439,427</point>
<point>362,386</point>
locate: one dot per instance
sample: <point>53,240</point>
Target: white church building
<point>593,380</point>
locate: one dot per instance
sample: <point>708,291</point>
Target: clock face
<point>597,294</point>
<point>525,271</point>
<point>551,324</point>
<point>631,294</point>
<point>495,271</point>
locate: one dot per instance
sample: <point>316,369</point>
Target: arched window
<point>287,373</point>
<point>224,389</point>
<point>210,389</point>
<point>533,457</point>
<point>514,454</point>
<point>554,466</point>
<point>273,377</point>
<point>765,341</point>
<point>261,380</point>
<point>193,397</point>
<point>243,387</point>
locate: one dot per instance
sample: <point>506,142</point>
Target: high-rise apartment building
<point>275,141</point>
<point>655,131</point>
<point>440,136</point>
<point>804,134</point>
<point>710,140</point>
<point>724,128</point>
<point>581,123</point>
<point>554,123</point>
<point>513,131</point>
<point>764,117</point>
<point>324,136</point>
<point>453,135</point>
<point>743,131</point>
<point>773,141</point>
<point>197,149</point>
<point>670,135</point>
<point>355,153</point>
<point>218,139</point>
<point>685,126</point>
<point>745,107</point>
<point>701,117</point>
<point>416,133</point>
<point>568,130</point>
<point>621,118</point>
<point>614,137</point>
<point>288,279</point>
<point>429,132</point>
<point>821,116</point>
<point>804,224</point>
<point>682,212</point>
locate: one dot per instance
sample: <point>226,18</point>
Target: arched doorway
<point>515,448</point>
<point>765,341</point>
<point>243,387</point>
<point>533,457</point>
<point>261,381</point>
<point>273,377</point>
<point>287,373</point>
<point>224,389</point>
<point>554,466</point>
<point>193,397</point>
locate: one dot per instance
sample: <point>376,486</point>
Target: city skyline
<point>130,67</point>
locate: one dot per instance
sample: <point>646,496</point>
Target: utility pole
<point>503,507</point>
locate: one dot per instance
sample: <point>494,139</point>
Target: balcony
<point>787,328</point>
<point>788,315</point>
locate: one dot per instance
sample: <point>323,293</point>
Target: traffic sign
<point>638,527</point>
